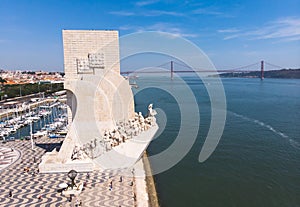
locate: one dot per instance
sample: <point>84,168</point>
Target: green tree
<point>2,81</point>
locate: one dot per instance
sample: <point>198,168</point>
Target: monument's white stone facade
<point>112,89</point>
<point>104,128</point>
<point>98,96</point>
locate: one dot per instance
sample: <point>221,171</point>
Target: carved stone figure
<point>151,111</point>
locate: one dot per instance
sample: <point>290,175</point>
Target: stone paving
<point>21,188</point>
<point>8,156</point>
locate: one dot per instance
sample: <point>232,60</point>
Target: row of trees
<point>2,81</point>
<point>11,91</point>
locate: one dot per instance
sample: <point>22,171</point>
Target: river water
<point>257,161</point>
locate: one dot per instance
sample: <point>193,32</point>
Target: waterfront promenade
<point>4,113</point>
<point>22,185</point>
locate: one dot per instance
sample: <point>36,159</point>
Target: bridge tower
<point>262,70</point>
<point>172,70</point>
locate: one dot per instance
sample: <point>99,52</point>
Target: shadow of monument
<point>49,147</point>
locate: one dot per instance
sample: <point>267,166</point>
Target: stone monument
<point>101,104</point>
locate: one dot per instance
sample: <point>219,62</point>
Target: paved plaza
<point>22,185</point>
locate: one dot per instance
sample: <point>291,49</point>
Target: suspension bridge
<point>177,67</point>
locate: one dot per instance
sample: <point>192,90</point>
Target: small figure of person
<point>77,203</point>
<point>110,186</point>
<point>121,179</point>
<point>134,197</point>
<point>10,193</point>
<point>39,196</point>
<point>26,169</point>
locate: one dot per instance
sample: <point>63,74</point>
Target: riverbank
<point>145,191</point>
<point>150,183</point>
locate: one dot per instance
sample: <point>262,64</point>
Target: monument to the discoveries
<point>105,131</point>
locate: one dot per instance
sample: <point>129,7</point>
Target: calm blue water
<point>257,162</point>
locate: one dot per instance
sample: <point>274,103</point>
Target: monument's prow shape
<point>104,126</point>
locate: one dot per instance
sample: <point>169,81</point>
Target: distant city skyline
<point>232,33</point>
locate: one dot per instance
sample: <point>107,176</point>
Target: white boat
<point>40,134</point>
<point>33,118</point>
<point>45,113</point>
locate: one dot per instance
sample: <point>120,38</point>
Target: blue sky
<point>232,33</point>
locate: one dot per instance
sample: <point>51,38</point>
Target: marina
<point>45,117</point>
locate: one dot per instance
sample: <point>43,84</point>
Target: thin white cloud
<point>231,30</point>
<point>231,36</point>
<point>207,11</point>
<point>146,2</point>
<point>211,11</point>
<point>151,13</point>
<point>170,28</point>
<point>160,27</point>
<point>122,13</point>
<point>125,27</point>
<point>284,29</point>
<point>289,39</point>
<point>180,34</point>
<point>161,12</point>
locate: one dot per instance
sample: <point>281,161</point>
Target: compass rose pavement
<point>22,185</point>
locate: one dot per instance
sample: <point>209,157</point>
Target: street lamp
<point>72,175</point>
<point>31,135</point>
